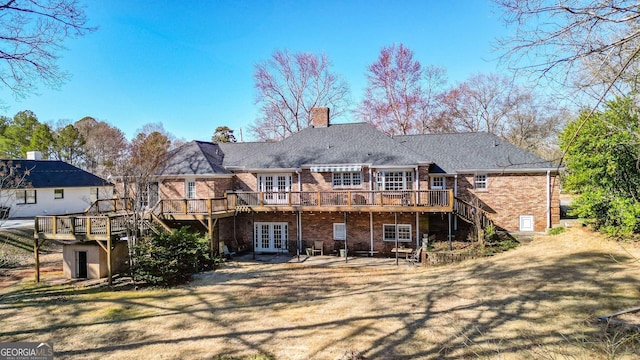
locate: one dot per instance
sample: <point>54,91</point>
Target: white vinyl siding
<point>93,194</point>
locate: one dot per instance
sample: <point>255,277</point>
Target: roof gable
<point>194,158</point>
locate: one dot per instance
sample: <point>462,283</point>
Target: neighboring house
<point>49,187</point>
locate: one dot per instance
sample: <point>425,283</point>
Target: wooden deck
<point>81,228</point>
<point>349,201</point>
<point>100,226</point>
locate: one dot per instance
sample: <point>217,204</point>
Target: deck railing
<point>193,206</point>
<point>356,198</point>
<point>80,225</point>
<point>101,226</point>
<point>102,206</point>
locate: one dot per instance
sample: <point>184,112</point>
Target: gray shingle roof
<point>237,154</point>
<point>195,158</point>
<point>356,143</point>
<point>459,152</point>
<point>53,174</point>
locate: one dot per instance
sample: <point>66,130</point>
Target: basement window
<point>404,232</point>
<point>339,231</point>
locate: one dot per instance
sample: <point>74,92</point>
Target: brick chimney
<point>320,117</point>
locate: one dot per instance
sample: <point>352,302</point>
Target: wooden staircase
<point>471,213</point>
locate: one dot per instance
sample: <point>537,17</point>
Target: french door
<point>270,236</point>
<point>275,187</point>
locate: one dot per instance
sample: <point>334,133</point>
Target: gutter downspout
<point>299,217</point>
<point>548,199</point>
<point>455,195</point>
<point>371,232</point>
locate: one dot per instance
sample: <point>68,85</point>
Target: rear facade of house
<point>351,185</point>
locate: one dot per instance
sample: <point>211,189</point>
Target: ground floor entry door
<point>270,236</point>
<point>81,263</point>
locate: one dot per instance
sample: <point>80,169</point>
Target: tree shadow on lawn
<point>464,308</point>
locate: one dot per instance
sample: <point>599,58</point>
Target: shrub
<point>168,259</point>
<point>556,230</point>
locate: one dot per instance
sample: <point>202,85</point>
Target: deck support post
<point>449,237</point>
<point>36,254</point>
<point>109,243</point>
<point>210,228</point>
<point>346,248</point>
<point>371,232</point>
<point>109,266</point>
<point>395,222</point>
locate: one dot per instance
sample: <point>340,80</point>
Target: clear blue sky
<point>189,65</point>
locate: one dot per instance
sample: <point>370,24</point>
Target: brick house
<point>332,182</point>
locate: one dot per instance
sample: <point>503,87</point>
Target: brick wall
<point>205,188</point>
<point>319,226</point>
<point>510,195</point>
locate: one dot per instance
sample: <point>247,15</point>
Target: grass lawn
<point>537,301</point>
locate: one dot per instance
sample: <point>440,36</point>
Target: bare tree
<point>289,86</point>
<point>393,98</point>
<point>33,32</point>
<point>534,124</point>
<point>593,45</point>
<point>430,118</point>
<point>481,103</point>
<point>105,146</point>
<point>495,104</point>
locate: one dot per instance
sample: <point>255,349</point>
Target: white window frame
<point>190,189</point>
<point>481,181</point>
<point>265,236</point>
<point>438,179</point>
<point>25,197</point>
<point>347,179</point>
<point>58,194</point>
<point>339,231</point>
<point>276,191</point>
<point>404,232</point>
<point>394,180</point>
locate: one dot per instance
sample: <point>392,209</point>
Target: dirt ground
<point>537,301</point>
